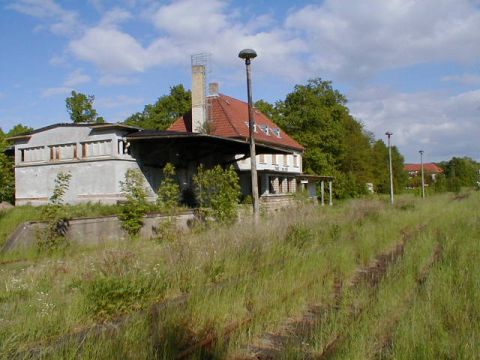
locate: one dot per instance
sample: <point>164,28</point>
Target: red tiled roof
<point>428,167</point>
<point>230,119</point>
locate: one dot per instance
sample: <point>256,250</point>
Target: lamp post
<point>388,133</point>
<point>423,178</point>
<point>247,55</point>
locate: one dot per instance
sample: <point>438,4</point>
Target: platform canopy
<point>160,147</point>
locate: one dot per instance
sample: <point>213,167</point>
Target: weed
<point>298,235</point>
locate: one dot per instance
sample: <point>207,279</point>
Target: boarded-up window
<point>274,159</point>
<point>285,160</point>
<point>96,148</point>
<point>32,154</point>
<point>262,158</point>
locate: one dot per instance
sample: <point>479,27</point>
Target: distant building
<point>429,169</point>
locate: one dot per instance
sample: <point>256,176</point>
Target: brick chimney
<point>198,98</point>
<point>213,89</point>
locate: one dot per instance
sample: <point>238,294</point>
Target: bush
<point>218,191</point>
<point>168,192</point>
<point>56,215</point>
<point>106,296</point>
<point>136,206</point>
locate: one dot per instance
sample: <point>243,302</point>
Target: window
<point>32,154</point>
<point>285,160</point>
<point>274,159</point>
<point>96,148</point>
<point>295,160</point>
<point>262,158</point>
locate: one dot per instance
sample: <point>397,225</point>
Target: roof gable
<point>230,119</point>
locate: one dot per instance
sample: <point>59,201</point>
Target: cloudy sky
<point>408,66</point>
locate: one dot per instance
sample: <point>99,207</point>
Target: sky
<point>411,67</point>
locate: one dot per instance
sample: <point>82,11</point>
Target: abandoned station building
<point>214,132</point>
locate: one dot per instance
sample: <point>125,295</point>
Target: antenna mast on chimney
<point>201,107</point>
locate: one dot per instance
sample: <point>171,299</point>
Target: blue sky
<point>410,67</point>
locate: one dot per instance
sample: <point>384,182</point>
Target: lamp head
<point>247,54</point>
<point>388,133</point>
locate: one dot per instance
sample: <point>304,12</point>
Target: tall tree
<point>317,116</point>
<point>7,180</point>
<point>165,111</point>
<point>464,170</point>
<point>80,108</point>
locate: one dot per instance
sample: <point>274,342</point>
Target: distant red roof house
<point>427,167</point>
<point>229,117</point>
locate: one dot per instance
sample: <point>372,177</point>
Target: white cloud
<point>111,50</point>
<point>60,21</point>
<point>187,27</point>
<point>357,39</point>
<point>114,79</point>
<point>443,125</point>
<point>464,79</point>
<point>76,78</point>
<point>55,91</point>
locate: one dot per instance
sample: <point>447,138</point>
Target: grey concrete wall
<point>94,230</point>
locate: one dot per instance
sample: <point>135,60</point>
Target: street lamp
<point>423,178</point>
<point>247,55</point>
<point>388,133</point>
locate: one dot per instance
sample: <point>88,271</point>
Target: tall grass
<point>242,277</point>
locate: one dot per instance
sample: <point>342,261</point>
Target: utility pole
<point>247,55</point>
<point>423,178</point>
<point>388,133</point>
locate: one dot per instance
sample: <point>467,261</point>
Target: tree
<point>7,180</point>
<point>80,108</point>
<point>165,111</point>
<point>336,144</point>
<point>381,172</point>
<point>7,175</point>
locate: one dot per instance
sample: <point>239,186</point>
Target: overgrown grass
<point>256,276</point>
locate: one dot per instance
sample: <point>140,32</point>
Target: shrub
<point>168,192</point>
<point>56,215</point>
<point>105,296</point>
<point>298,235</point>
<point>136,206</point>
<point>218,190</point>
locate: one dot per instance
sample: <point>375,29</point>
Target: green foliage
<point>7,175</point>
<point>381,179</point>
<point>462,171</point>
<point>336,144</point>
<point>135,206</point>
<point>56,215</point>
<point>169,191</point>
<point>108,295</point>
<point>165,111</point>
<point>7,180</point>
<point>218,191</point>
<point>80,108</point>
<point>298,235</point>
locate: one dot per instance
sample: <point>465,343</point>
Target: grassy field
<point>221,292</point>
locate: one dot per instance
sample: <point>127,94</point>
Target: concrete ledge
<point>95,230</point>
